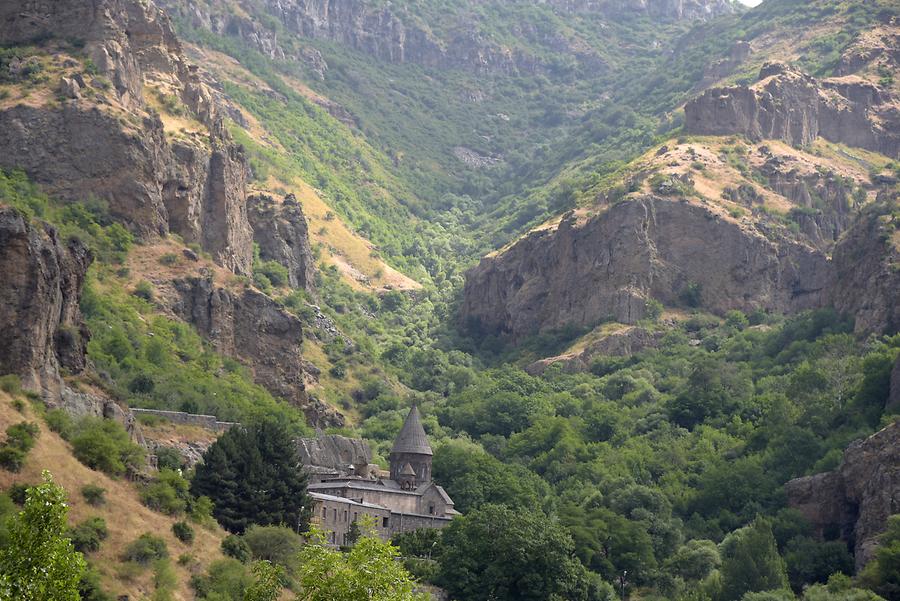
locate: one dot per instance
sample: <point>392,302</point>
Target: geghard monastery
<point>345,486</point>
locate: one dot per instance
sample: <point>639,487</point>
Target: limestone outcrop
<point>333,452</point>
<point>607,266</point>
<point>42,333</point>
<point>104,139</point>
<point>786,104</point>
<point>282,233</point>
<point>855,500</point>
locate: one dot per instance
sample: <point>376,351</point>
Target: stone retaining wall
<point>208,422</point>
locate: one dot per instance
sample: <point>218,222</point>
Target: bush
<point>277,544</point>
<point>168,493</point>
<point>12,459</point>
<point>87,535</point>
<point>183,532</point>
<point>168,259</point>
<point>22,435</point>
<point>104,445</point>
<point>18,493</point>
<point>236,547</point>
<point>60,422</point>
<point>93,494</point>
<point>11,384</point>
<point>144,290</point>
<point>146,548</point>
<point>169,458</point>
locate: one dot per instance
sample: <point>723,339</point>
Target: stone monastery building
<point>403,500</point>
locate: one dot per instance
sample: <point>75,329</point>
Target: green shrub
<point>104,445</point>
<point>11,384</point>
<point>235,546</point>
<point>183,532</point>
<point>93,494</point>
<point>169,458</point>
<point>168,259</point>
<point>168,493</point>
<point>146,548</point>
<point>12,459</point>
<point>144,290</point>
<point>277,544</point>
<point>18,492</point>
<point>60,422</point>
<point>22,436</point>
<point>87,535</point>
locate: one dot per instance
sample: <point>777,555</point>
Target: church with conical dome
<point>401,500</point>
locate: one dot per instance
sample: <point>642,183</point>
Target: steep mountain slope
<point>641,247</point>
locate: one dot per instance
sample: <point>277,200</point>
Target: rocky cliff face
<point>250,326</point>
<point>391,32</point>
<point>867,270</point>
<point>281,231</point>
<point>788,105</point>
<point>608,266</point>
<point>43,333</point>
<point>855,500</point>
<point>102,139</point>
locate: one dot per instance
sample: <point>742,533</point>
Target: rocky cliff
<point>397,34</point>
<point>43,333</point>
<point>281,231</point>
<point>607,266</point>
<point>786,104</point>
<point>866,277</point>
<point>100,137</point>
<point>250,326</point>
<point>855,500</point>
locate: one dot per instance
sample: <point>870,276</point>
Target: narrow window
<point>324,512</point>
<point>431,509</point>
<point>384,522</point>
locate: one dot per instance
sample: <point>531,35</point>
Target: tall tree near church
<point>751,563</point>
<point>253,476</point>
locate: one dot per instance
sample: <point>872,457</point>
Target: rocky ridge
<point>103,138</point>
<point>786,104</point>
<point>607,267</point>
<point>392,33</point>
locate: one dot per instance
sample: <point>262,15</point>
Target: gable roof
<point>412,437</point>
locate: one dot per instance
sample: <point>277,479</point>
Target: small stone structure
<point>208,422</point>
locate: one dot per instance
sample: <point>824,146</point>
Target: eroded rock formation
<point>786,104</point>
<point>250,326</point>
<point>109,144</point>
<point>282,233</point>
<point>607,266</point>
<point>855,500</point>
<point>866,277</point>
<point>41,330</point>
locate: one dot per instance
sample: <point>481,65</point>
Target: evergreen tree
<point>39,562</point>
<point>751,563</point>
<point>253,476</point>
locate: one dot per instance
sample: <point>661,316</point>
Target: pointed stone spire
<point>412,438</point>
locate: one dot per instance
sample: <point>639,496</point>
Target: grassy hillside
<point>125,516</point>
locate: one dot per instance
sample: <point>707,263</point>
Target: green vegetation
<point>146,549</point>
<point>104,445</point>
<point>20,439</point>
<point>87,536</point>
<point>250,475</point>
<point>368,571</point>
<point>38,562</point>
<point>93,494</point>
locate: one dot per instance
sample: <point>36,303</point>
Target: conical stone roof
<point>412,437</point>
